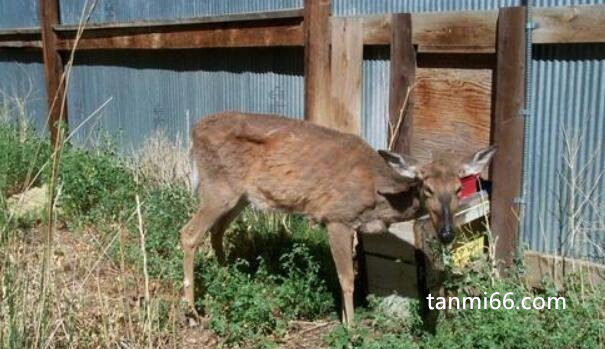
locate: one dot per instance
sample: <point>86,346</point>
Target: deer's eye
<point>428,192</point>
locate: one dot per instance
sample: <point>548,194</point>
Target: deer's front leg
<point>342,245</point>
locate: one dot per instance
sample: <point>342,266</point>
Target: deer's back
<point>291,165</point>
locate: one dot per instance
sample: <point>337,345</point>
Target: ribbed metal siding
<point>569,98</point>
<point>120,10</point>
<point>375,102</point>
<point>157,90</point>
<point>18,14</point>
<point>362,7</point>
<point>22,84</point>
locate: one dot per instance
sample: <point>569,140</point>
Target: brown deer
<point>334,178</point>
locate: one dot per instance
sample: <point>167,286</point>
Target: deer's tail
<point>195,174</point>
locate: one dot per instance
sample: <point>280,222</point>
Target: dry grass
<point>163,162</point>
<point>581,206</point>
<point>91,300</point>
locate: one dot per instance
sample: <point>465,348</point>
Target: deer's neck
<point>414,210</point>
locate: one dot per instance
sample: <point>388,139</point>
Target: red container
<point>469,186</point>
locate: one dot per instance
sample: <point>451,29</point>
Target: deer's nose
<point>446,235</point>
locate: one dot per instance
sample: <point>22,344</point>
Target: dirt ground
<point>105,298</point>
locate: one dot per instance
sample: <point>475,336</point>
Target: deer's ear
<point>400,165</point>
<point>478,161</point>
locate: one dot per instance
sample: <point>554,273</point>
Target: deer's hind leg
<point>342,246</point>
<point>218,230</point>
<point>216,205</point>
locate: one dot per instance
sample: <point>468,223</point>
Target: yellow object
<point>463,254</point>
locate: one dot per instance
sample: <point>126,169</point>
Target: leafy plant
<point>23,155</point>
<point>96,187</point>
<point>580,325</point>
<point>251,307</point>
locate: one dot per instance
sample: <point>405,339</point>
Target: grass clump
<point>165,211</point>
<point>24,155</point>
<point>96,187</point>
<point>257,306</point>
<point>580,325</point>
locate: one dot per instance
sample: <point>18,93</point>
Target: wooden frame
<point>346,69</point>
<point>508,130</point>
<point>457,31</point>
<point>403,75</point>
<point>475,31</point>
<point>486,34</point>
<point>317,60</point>
<point>284,28</point>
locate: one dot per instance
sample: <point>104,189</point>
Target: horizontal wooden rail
<point>469,31</point>
<point>434,32</point>
<point>267,33</point>
<point>279,28</point>
<point>21,38</point>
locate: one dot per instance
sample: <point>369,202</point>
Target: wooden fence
<point>493,42</point>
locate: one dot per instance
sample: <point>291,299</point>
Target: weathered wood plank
<point>317,59</point>
<point>53,67</point>
<point>255,34</point>
<point>401,85</point>
<point>475,31</point>
<point>347,60</point>
<point>508,130</point>
<point>294,14</point>
<point>451,31</point>
<point>452,112</point>
<point>458,31</point>
<point>37,44</point>
<point>20,31</point>
<point>575,24</point>
<point>397,243</point>
<point>20,38</point>
<point>386,277</point>
<point>541,266</point>
<point>376,29</point>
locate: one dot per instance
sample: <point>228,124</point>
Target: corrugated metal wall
<point>22,86</point>
<point>567,152</point>
<point>156,90</point>
<point>121,11</point>
<point>361,7</point>
<point>18,14</point>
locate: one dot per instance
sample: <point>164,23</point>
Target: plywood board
<point>452,112</point>
<point>386,277</point>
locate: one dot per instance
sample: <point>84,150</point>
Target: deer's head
<point>439,185</point>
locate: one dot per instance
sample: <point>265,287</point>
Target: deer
<point>333,178</point>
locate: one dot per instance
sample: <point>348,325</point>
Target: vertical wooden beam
<point>346,67</point>
<point>53,66</point>
<point>317,59</point>
<point>508,130</point>
<point>403,74</point>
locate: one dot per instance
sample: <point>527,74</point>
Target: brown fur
<point>277,163</point>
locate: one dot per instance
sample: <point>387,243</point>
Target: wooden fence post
<point>347,70</point>
<point>508,130</point>
<point>403,74</point>
<point>53,66</point>
<point>317,60</point>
